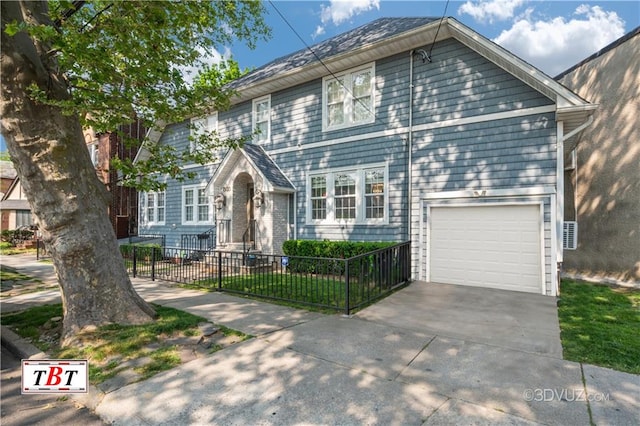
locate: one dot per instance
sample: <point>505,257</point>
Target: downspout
<point>410,147</point>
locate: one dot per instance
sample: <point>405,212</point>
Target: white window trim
<point>144,209</point>
<point>254,122</point>
<point>200,125</point>
<point>94,153</point>
<point>210,219</point>
<point>348,98</point>
<point>360,196</point>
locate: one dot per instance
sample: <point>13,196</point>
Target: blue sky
<point>551,35</point>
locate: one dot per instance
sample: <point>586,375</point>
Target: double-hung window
<point>196,206</point>
<point>348,98</point>
<point>152,208</point>
<point>201,128</point>
<point>349,195</point>
<point>262,119</point>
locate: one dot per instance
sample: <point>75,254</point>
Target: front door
<point>250,215</point>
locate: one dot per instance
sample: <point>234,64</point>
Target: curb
<point>23,349</point>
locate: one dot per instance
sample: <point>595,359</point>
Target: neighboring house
<point>602,189</point>
<point>15,211</point>
<point>123,207</point>
<point>7,175</point>
<point>405,129</point>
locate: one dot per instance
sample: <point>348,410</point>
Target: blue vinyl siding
<point>177,135</point>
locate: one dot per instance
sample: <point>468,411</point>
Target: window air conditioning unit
<point>570,235</point>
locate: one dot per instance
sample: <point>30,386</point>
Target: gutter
<point>410,147</point>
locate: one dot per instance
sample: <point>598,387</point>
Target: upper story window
<point>202,126</point>
<point>152,208</point>
<point>261,120</point>
<point>348,98</point>
<point>349,195</point>
<point>197,208</point>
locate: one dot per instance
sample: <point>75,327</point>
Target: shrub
<point>326,249</point>
<point>143,251</point>
<point>13,235</point>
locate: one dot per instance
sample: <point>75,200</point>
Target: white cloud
<point>189,72</point>
<point>556,44</point>
<point>490,11</point>
<point>339,11</point>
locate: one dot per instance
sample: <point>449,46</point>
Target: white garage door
<point>486,246</point>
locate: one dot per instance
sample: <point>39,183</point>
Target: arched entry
<point>243,216</point>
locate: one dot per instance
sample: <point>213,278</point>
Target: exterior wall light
<point>258,199</point>
<point>219,201</point>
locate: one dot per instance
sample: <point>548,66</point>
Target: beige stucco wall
<point>607,178</point>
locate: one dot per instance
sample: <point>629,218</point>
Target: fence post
<point>135,262</point>
<point>347,304</point>
<point>153,263</point>
<point>38,249</point>
<point>219,271</point>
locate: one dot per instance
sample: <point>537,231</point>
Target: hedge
<point>143,251</point>
<point>326,249</point>
<point>332,249</point>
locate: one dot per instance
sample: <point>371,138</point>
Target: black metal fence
<point>41,250</point>
<point>340,284</point>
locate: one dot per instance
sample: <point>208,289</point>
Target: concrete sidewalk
<point>402,361</point>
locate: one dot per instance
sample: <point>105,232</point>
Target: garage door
<point>486,246</point>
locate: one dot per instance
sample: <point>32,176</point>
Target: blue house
<point>402,129</point>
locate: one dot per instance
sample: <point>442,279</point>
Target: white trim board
<point>429,126</point>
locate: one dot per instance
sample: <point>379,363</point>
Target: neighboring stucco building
<point>602,183</point>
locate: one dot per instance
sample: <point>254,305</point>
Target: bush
<point>332,249</point>
<point>143,251</point>
<point>329,250</point>
<point>13,235</point>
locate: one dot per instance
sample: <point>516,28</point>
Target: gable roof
<point>358,38</point>
<point>273,178</point>
<point>267,167</point>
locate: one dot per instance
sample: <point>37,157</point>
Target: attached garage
<point>496,246</point>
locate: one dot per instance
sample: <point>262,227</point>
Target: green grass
<point>600,325</point>
<point>10,250</point>
<point>295,290</point>
<point>8,273</point>
<point>110,345</point>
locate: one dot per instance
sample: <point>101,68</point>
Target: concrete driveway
<point>522,321</point>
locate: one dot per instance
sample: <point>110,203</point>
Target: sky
<point>551,35</point>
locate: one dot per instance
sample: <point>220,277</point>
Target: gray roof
<point>15,205</point>
<point>372,32</point>
<point>7,171</point>
<point>267,167</point>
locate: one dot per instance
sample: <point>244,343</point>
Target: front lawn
<point>600,325</point>
<point>147,349</point>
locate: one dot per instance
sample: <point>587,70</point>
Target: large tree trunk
<point>66,197</point>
